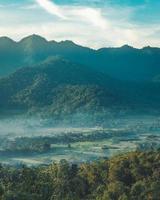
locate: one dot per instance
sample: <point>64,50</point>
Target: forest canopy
<point>129,176</point>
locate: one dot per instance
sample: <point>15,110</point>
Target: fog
<point>75,142</point>
<point>35,126</point>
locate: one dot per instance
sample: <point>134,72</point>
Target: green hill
<point>57,86</point>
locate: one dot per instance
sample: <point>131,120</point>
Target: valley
<point>79,100</point>
<point>59,100</point>
<point>39,142</point>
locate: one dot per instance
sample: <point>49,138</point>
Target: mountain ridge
<point>70,41</point>
<point>123,63</point>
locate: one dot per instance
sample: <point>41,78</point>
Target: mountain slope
<point>128,63</point>
<point>57,85</point>
<point>125,63</point>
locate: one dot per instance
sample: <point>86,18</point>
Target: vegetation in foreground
<point>132,176</point>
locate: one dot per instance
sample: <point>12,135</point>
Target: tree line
<point>131,176</point>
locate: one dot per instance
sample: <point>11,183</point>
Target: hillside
<point>58,86</point>
<point>58,78</point>
<point>125,63</point>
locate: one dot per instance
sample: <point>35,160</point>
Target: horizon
<point>53,40</point>
<point>135,23</point>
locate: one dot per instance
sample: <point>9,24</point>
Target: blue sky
<point>93,23</point>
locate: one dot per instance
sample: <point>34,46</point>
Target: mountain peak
<point>33,38</point>
<point>150,48</point>
<point>6,40</point>
<point>68,43</point>
<point>126,46</point>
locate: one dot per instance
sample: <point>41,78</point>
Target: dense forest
<point>131,176</point>
<point>58,80</point>
<point>58,88</point>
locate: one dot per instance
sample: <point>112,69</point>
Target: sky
<point>92,23</point>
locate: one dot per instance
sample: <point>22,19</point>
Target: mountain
<point>33,50</point>
<point>57,86</point>
<point>128,63</point>
<point>64,78</point>
<point>124,63</point>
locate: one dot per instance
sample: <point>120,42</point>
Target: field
<point>37,142</point>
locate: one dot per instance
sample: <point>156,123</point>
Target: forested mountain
<point>125,63</point>
<point>64,78</point>
<point>57,85</point>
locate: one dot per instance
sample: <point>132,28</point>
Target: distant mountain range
<point>124,63</point>
<point>63,78</point>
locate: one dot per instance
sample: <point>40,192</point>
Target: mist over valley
<point>63,101</point>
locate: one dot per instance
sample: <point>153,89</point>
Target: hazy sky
<point>94,23</point>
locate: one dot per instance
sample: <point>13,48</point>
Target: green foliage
<point>56,87</point>
<point>58,79</point>
<point>119,178</point>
